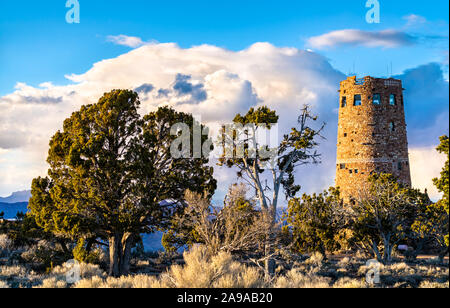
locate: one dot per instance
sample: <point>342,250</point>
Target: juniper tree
<point>383,214</point>
<point>255,160</point>
<point>315,221</point>
<point>112,175</point>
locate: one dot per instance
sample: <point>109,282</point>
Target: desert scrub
<point>17,276</point>
<point>348,283</point>
<point>296,279</point>
<point>124,282</point>
<point>57,278</point>
<point>201,270</point>
<point>400,269</point>
<point>316,259</point>
<point>44,254</point>
<point>52,283</point>
<point>433,285</point>
<point>6,245</point>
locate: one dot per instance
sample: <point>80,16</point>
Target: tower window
<point>399,165</point>
<point>357,100</point>
<point>392,127</point>
<point>345,134</point>
<point>350,171</point>
<point>344,101</point>
<point>376,99</point>
<point>392,99</point>
<point>356,171</point>
<point>342,166</point>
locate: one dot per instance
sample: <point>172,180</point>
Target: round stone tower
<point>371,133</point>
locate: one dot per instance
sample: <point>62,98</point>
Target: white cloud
<point>220,83</point>
<point>413,20</point>
<point>426,164</point>
<point>232,82</point>
<point>353,37</point>
<point>124,40</point>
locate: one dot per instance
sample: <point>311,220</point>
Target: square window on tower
<point>392,127</point>
<point>392,100</point>
<point>344,101</point>
<point>376,99</point>
<point>357,100</point>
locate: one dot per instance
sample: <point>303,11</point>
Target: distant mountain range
<point>18,196</point>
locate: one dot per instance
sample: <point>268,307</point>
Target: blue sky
<point>36,44</point>
<point>121,44</point>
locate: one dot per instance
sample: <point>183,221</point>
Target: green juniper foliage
<point>313,221</point>
<point>112,176</point>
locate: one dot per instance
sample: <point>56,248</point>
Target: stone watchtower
<point>371,133</point>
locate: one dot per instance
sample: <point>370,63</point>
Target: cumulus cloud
<point>184,87</point>
<point>208,81</point>
<point>145,88</point>
<point>211,82</point>
<point>125,40</point>
<point>353,37</point>
<point>426,164</point>
<point>426,103</point>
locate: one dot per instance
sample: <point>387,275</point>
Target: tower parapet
<point>371,133</point>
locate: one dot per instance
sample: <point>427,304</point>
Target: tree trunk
<point>442,254</point>
<point>120,246</point>
<point>127,244</point>
<point>387,249</point>
<point>90,244</point>
<point>269,265</point>
<point>114,255</point>
<point>376,251</point>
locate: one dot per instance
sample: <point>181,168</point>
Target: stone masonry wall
<point>371,137</point>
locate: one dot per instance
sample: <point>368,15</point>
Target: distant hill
<point>11,209</point>
<point>18,196</point>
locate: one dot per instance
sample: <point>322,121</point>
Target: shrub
<point>12,271</point>
<point>3,285</point>
<point>6,245</point>
<point>52,283</point>
<point>44,253</point>
<point>433,285</point>
<point>295,279</point>
<point>203,270</point>
<point>348,283</point>
<point>135,282</point>
<point>86,270</point>
<point>95,256</point>
<point>316,259</point>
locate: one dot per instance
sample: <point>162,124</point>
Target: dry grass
<point>295,279</point>
<point>202,269</point>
